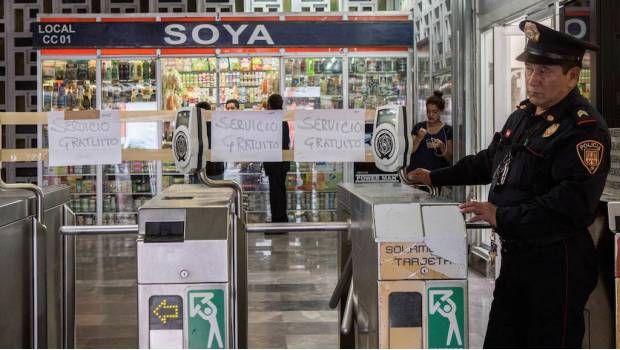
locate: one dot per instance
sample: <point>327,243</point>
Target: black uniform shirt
<point>557,170</point>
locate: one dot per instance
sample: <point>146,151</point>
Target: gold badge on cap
<point>551,130</point>
<point>531,32</point>
<point>550,118</point>
<point>590,154</point>
<point>581,113</point>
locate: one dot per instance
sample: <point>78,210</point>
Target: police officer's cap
<point>548,46</point>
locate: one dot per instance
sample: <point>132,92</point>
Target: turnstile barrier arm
<point>343,282</point>
<point>98,230</point>
<point>347,317</point>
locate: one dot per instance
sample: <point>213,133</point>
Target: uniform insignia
<point>590,154</point>
<point>581,113</point>
<point>531,32</point>
<point>550,118</point>
<point>551,130</point>
<point>507,133</point>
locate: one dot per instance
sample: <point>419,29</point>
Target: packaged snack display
<point>128,82</point>
<point>82,185</point>
<point>187,81</point>
<point>69,85</point>
<point>248,80</point>
<point>375,82</point>
<point>313,83</point>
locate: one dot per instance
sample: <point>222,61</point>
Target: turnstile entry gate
<point>409,268</point>
<point>191,270</point>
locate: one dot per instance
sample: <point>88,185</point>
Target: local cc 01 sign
<point>217,34</point>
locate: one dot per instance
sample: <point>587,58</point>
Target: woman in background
<point>432,139</point>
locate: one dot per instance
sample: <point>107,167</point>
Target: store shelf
<point>57,175</point>
<point>83,193</point>
<point>131,174</point>
<point>382,73</point>
<point>129,193</point>
<point>172,174</point>
<point>295,191</point>
<point>293,210</point>
<point>84,213</point>
<point>120,212</point>
<point>305,74</point>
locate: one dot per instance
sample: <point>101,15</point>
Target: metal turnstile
<point>409,263</point>
<point>191,270</point>
<point>32,283</point>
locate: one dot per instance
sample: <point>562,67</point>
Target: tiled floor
<point>290,281</point>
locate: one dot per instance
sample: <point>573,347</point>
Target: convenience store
<point>164,62</point>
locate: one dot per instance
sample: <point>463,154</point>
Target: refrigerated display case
<point>313,83</point>
<point>585,78</point>
<point>71,85</point>
<point>129,85</point>
<point>377,81</point>
<point>250,80</point>
<point>126,187</point>
<point>126,82</point>
<point>82,181</point>
<point>311,191</point>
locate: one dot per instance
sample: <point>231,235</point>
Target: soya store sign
<point>218,34</point>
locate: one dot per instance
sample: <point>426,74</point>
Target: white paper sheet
<point>245,136</point>
<point>329,136</point>
<point>84,142</point>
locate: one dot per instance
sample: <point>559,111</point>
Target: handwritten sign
<point>246,136</point>
<point>84,141</point>
<point>331,136</point>
<point>303,91</point>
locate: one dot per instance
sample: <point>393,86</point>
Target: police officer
<point>547,169</point>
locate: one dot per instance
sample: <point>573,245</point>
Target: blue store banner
<point>218,34</point>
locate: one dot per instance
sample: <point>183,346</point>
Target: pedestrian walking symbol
<point>446,317</point>
<point>206,315</point>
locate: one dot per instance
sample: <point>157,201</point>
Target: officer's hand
<point>422,132</point>
<point>484,211</point>
<point>420,176</point>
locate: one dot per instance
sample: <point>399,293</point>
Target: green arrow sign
<point>446,317</point>
<point>206,319</point>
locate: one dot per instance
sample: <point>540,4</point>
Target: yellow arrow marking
<point>163,305</point>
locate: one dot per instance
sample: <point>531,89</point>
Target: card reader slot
<point>166,231</point>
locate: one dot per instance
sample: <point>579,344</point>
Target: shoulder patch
<point>590,153</point>
<point>582,118</point>
<point>581,114</point>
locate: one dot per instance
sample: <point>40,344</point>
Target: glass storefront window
<point>313,83</point>
<point>187,81</point>
<point>250,80</point>
<point>376,82</point>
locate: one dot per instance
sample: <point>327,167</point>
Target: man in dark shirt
<point>276,171</point>
<point>547,168</point>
